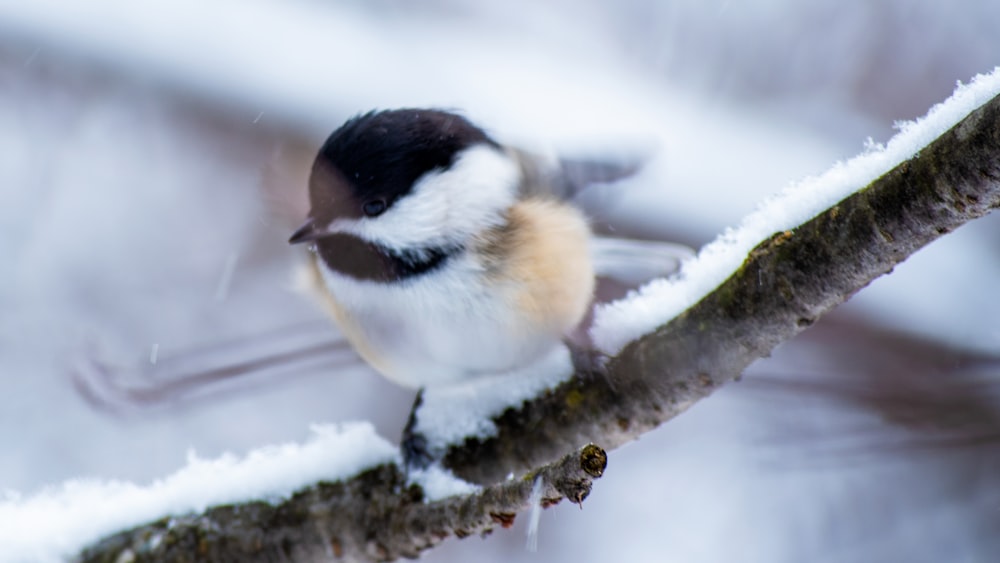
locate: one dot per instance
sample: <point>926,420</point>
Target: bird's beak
<point>306,233</point>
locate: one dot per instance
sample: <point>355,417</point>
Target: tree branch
<point>374,516</point>
<point>785,285</point>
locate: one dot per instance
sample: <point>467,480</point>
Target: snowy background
<point>152,160</point>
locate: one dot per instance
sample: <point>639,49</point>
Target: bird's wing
<point>565,177</point>
<point>633,262</point>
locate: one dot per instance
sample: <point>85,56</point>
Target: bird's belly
<point>438,330</point>
<point>433,349</point>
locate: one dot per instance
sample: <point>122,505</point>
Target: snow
<point>654,304</point>
<point>535,516</point>
<point>222,290</point>
<point>439,483</point>
<point>58,521</point>
<point>451,413</point>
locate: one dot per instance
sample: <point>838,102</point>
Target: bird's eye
<point>373,208</point>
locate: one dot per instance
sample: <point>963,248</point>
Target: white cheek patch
<point>447,206</point>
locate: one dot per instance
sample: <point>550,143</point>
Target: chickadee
<point>442,254</point>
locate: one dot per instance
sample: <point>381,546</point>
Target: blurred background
<point>153,159</point>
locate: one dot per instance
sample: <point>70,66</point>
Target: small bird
<point>442,254</point>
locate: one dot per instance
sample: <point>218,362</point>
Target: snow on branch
<point>374,516</point>
<point>621,322</point>
<point>57,521</point>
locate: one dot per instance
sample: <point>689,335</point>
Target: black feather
<point>381,154</point>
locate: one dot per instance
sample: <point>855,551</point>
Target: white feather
<point>443,326</point>
<point>446,206</point>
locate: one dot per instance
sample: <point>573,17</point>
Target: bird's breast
<point>502,302</point>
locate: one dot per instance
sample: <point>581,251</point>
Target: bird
<point>442,254</point>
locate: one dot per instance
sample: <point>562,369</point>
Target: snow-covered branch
<point>374,516</point>
<point>785,284</point>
